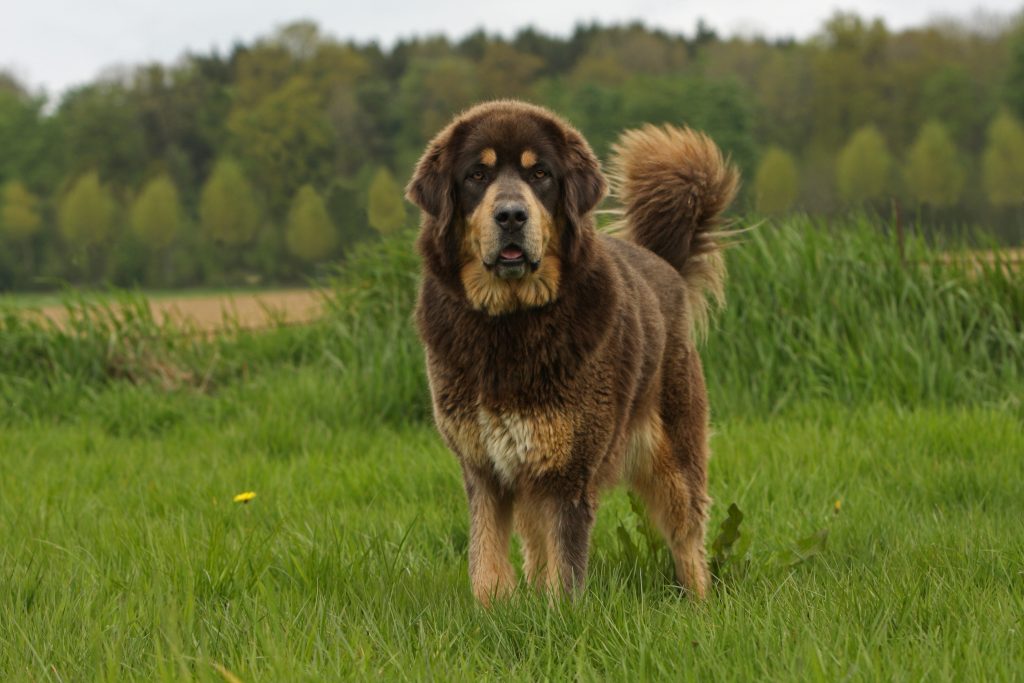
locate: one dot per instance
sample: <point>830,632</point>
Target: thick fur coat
<point>561,360</point>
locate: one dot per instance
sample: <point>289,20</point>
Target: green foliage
<point>299,107</point>
<point>1014,86</point>
<point>777,182</point>
<point>97,342</point>
<point>933,172</point>
<point>960,100</point>
<point>833,313</point>
<point>102,130</point>
<point>86,213</point>
<point>507,72</point>
<point>30,141</point>
<point>227,208</point>
<point>285,140</point>
<point>156,213</point>
<point>310,234</point>
<point>729,547</point>
<point>940,330</point>
<point>19,212</point>
<point>602,110</point>
<point>372,298</point>
<point>863,168</point>
<point>385,207</point>
<point>1003,163</point>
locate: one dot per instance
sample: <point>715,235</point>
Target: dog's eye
<point>478,176</point>
<point>539,174</point>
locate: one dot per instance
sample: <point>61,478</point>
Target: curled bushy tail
<point>673,184</point>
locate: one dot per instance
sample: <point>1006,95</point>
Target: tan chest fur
<point>514,444</point>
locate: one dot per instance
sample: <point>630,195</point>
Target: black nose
<point>510,216</point>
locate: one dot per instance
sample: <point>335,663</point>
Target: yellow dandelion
<point>245,497</point>
<point>837,506</point>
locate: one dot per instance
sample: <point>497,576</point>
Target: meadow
<point>868,426</point>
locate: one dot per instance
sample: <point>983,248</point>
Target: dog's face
<point>506,190</point>
<point>508,199</point>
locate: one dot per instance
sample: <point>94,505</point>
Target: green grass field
<point>837,376</point>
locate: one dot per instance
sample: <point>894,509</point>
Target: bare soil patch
<point>209,313</point>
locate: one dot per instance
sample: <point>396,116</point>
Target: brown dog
<point>562,360</point>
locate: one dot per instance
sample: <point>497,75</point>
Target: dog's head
<point>506,191</point>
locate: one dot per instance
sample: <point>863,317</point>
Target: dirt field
<point>215,311</point>
<point>1010,260</point>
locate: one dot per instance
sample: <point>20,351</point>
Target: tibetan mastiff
<point>562,360</point>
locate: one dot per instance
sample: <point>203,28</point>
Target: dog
<point>562,360</point>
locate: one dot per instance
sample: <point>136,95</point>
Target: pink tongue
<point>511,253</point>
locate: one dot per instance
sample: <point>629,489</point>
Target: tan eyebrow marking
<point>489,157</point>
<point>528,159</point>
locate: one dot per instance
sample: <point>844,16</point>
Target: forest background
<point>263,165</point>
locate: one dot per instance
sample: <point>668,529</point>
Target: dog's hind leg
<point>678,505</point>
<point>671,475</point>
<point>490,526</point>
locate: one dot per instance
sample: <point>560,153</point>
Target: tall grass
<point>49,368</point>
<point>814,313</point>
<point>835,313</point>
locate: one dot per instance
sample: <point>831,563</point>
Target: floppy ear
<point>432,189</point>
<point>583,188</point>
<point>431,186</point>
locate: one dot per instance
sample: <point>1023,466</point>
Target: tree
<point>933,173</point>
<point>310,234</point>
<point>102,131</point>
<point>506,72</point>
<point>385,206</point>
<point>776,182</point>
<point>435,88</point>
<point>30,140</point>
<point>1003,162</point>
<point>862,171</point>
<point>1015,77</point>
<point>227,208</point>
<point>19,212</point>
<point>156,213</point>
<point>286,140</point>
<point>86,215</point>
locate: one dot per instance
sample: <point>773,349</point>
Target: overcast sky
<point>54,44</point>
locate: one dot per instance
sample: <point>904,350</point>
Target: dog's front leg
<point>490,524</point>
<point>573,521</point>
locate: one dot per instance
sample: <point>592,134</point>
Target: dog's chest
<point>513,443</point>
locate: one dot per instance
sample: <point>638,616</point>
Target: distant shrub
<point>777,182</point>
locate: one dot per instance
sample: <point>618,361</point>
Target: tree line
<point>263,164</point>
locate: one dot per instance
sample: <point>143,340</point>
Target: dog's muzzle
<point>512,260</point>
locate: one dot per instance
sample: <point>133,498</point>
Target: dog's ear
<point>432,189</point>
<point>431,185</point>
<point>583,187</point>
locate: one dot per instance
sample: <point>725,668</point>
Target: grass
<point>124,557</point>
<point>838,373</point>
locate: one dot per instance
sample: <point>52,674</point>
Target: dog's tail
<point>673,184</point>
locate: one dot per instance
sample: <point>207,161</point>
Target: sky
<point>55,44</point>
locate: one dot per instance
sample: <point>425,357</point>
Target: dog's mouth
<point>511,255</point>
<point>512,263</point>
